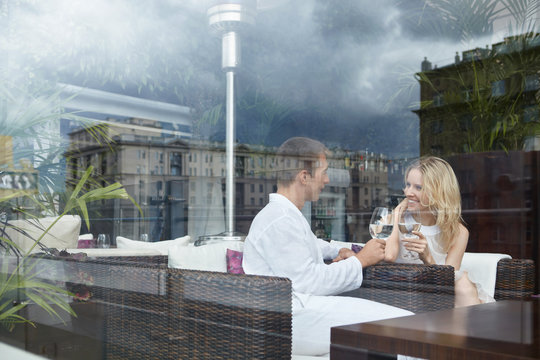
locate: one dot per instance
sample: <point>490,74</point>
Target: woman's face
<point>414,191</point>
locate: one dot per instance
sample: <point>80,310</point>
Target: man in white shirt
<point>280,243</point>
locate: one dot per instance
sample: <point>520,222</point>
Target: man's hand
<point>372,252</point>
<point>344,253</point>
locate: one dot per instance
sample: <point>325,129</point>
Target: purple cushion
<point>234,262</point>
<point>86,244</point>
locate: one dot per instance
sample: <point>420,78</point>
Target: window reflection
<point>380,84</point>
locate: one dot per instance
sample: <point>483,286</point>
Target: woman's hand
<point>344,253</point>
<point>418,245</point>
<point>400,209</point>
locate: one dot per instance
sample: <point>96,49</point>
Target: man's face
<point>317,180</point>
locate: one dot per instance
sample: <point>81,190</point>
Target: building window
<point>498,88</point>
<point>465,122</point>
<point>437,127</point>
<point>175,160</point>
<point>436,150</point>
<point>438,100</point>
<point>467,95</point>
<point>532,82</point>
<point>530,113</point>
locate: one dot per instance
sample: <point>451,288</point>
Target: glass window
<point>106,93</point>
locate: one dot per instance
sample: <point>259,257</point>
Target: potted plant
<point>19,280</point>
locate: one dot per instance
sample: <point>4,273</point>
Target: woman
<point>432,198</point>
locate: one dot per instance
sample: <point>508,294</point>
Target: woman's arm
<point>456,251</point>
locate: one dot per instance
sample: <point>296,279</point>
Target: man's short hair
<point>297,154</point>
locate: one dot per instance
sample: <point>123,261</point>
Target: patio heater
<point>228,18</point>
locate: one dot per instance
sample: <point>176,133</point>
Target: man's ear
<point>303,176</point>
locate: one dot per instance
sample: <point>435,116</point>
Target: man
<point>280,243</point>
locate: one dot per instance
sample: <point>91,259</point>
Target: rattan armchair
<point>422,288</point>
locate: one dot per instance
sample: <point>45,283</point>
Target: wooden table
<point>502,330</point>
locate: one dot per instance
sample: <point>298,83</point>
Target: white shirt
<point>280,243</point>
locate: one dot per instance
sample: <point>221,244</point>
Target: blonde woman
<point>433,200</point>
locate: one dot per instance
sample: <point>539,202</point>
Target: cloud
<point>355,58</point>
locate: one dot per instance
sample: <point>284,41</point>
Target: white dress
<point>433,236</point>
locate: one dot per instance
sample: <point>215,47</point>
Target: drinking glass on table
<point>407,224</point>
<point>381,224</point>
<point>144,237</point>
<point>103,241</point>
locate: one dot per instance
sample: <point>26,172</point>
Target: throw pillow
<point>211,257</point>
<point>86,241</point>
<point>161,246</point>
<point>234,262</point>
<point>63,235</point>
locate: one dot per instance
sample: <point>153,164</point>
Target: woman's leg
<point>465,291</point>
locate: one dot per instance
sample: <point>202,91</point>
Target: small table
<point>502,330</point>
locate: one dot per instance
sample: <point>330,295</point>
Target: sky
<point>353,59</point>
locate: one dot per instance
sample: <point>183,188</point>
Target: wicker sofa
<point>151,311</point>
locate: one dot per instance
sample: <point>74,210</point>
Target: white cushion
<point>86,237</point>
<point>64,234</point>
<point>482,269</point>
<point>211,257</point>
<point>161,246</point>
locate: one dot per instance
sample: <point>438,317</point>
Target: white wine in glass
<point>381,225</point>
<point>407,224</point>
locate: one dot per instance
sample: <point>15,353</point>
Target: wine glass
<point>144,237</point>
<point>407,224</point>
<point>381,225</point>
<point>103,241</point>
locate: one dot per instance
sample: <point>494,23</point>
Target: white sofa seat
<point>115,252</point>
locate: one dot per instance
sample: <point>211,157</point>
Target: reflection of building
<point>485,101</point>
<point>180,183</point>
<point>149,166</point>
<point>368,189</point>
<point>13,179</point>
<point>482,114</point>
<point>500,200</point>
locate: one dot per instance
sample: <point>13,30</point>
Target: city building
<point>179,183</point>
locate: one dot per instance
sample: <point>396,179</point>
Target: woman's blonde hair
<point>442,192</point>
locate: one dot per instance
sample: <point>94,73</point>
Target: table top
<point>508,329</point>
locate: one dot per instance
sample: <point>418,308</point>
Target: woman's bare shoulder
<point>463,234</point>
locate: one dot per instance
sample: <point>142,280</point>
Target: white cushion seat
<point>64,234</point>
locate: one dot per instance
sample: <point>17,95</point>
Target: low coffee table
<point>508,329</point>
